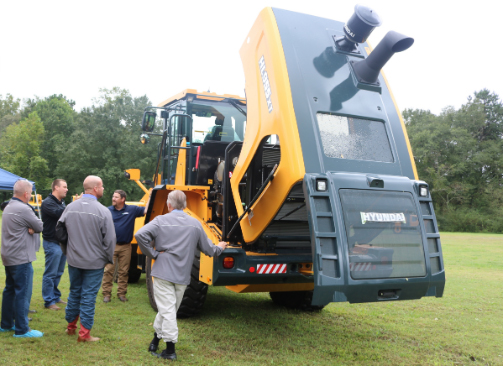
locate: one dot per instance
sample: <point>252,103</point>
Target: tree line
<point>458,152</point>
<point>45,138</point>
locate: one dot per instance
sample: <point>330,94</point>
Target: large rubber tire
<point>150,283</point>
<point>195,293</point>
<point>134,272</point>
<point>300,300</point>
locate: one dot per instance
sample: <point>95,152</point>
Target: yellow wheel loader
<point>311,178</point>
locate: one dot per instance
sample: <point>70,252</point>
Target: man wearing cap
<point>55,261</point>
<point>124,217</point>
<point>19,245</point>
<point>90,247</point>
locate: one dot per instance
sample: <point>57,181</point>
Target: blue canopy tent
<point>7,180</point>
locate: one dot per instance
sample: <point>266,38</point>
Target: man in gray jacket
<point>91,245</point>
<point>19,245</point>
<point>177,236</point>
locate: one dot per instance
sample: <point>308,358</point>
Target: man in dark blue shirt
<point>124,217</point>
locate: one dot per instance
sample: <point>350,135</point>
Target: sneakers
<point>106,299</point>
<point>53,307</point>
<point>122,298</point>
<point>31,334</point>
<point>8,330</point>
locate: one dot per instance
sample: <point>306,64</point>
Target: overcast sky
<point>159,48</point>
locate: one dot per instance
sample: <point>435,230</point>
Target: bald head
<point>93,185</point>
<point>22,190</point>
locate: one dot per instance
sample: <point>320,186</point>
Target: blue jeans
<point>15,296</point>
<point>30,290</point>
<point>55,262</point>
<point>84,287</point>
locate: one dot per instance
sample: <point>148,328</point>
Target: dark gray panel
<point>432,245</point>
<point>307,44</point>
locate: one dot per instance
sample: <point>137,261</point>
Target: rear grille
<point>384,235</point>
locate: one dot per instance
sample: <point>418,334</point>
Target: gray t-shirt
<point>18,246</point>
<point>178,235</point>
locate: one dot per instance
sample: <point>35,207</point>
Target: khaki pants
<point>122,255</point>
<point>168,297</point>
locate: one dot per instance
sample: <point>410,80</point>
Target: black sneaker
<point>167,356</point>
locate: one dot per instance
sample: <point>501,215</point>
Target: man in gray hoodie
<point>91,245</point>
<point>177,236</point>
<point>19,245</point>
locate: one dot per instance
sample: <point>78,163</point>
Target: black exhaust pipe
<point>367,71</point>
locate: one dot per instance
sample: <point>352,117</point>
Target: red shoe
<point>85,336</point>
<point>72,327</point>
<point>88,339</point>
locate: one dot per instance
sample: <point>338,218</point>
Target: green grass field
<point>462,328</point>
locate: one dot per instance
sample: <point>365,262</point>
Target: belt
<point>122,243</point>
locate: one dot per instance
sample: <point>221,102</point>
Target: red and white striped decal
<point>271,268</point>
<point>356,267</point>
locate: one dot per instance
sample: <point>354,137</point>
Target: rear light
<point>228,262</point>
<point>423,191</point>
<point>321,185</point>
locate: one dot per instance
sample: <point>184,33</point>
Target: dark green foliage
<point>105,142</point>
<point>20,149</point>
<point>459,153</point>
<point>101,140</point>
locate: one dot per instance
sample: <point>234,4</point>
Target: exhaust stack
<point>367,71</point>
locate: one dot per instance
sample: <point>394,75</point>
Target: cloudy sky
<point>159,48</point>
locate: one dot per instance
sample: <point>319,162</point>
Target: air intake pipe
<point>367,71</point>
<point>363,21</point>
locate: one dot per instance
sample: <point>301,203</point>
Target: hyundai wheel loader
<point>310,178</point>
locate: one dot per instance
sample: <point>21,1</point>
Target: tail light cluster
<point>228,262</point>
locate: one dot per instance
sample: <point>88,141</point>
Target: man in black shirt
<point>55,261</point>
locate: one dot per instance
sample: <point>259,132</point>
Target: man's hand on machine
<point>222,245</point>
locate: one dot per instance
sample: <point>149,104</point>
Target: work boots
<point>169,353</point>
<point>154,345</point>
<point>72,327</point>
<point>85,336</point>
